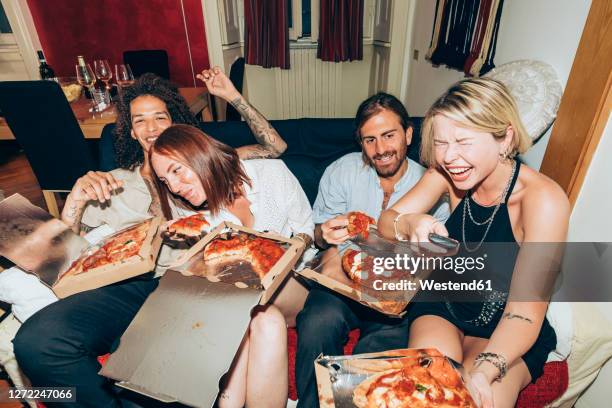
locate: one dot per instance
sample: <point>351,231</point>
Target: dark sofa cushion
<point>312,144</point>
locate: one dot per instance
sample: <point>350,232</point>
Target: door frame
<point>22,24</point>
<point>585,105</point>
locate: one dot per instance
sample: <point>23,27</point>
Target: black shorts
<point>536,356</point>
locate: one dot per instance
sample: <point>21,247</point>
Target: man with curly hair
<point>58,345</point>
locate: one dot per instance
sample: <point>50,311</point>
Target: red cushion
<point>550,386</point>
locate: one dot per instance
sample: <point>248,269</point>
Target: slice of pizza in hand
<point>359,223</point>
<point>187,230</point>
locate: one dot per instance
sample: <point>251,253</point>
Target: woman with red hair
<point>198,172</point>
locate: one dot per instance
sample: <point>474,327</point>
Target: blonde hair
<point>483,104</point>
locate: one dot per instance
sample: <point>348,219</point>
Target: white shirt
<point>278,202</point>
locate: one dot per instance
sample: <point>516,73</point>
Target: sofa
<point>312,144</point>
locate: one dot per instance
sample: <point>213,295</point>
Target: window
<point>301,18</point>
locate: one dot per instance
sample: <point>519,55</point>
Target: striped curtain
<point>340,30</point>
<point>266,33</point>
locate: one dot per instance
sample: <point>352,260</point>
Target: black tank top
<point>499,249</point>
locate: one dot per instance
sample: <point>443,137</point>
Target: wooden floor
<point>16,175</point>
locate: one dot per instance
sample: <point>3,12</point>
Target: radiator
<point>311,88</point>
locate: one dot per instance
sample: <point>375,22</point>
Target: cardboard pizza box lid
<point>45,246</point>
<point>389,302</point>
<point>339,376</point>
<point>136,265</point>
<point>273,280</point>
<point>183,339</point>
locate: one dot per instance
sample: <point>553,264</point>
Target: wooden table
<point>92,124</point>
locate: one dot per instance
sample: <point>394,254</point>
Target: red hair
<point>216,164</point>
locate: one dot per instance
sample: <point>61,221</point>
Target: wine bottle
<point>46,72</point>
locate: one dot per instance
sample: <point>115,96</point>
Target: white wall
<point>546,30</point>
<point>591,219</point>
<point>590,222</point>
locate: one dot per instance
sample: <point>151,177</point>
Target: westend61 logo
<point>413,264</point>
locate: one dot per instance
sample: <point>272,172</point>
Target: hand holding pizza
<point>94,186</point>
<point>218,84</point>
<point>335,230</point>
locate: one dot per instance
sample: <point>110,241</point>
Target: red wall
<point>106,28</point>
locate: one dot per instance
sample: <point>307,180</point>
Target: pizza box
<point>186,334</point>
<point>350,381</point>
<point>39,243</point>
<point>183,339</point>
<point>370,292</point>
<point>191,262</point>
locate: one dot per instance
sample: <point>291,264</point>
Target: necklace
<point>489,221</point>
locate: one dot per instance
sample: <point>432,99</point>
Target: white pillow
<point>560,316</point>
<point>535,88</point>
<point>591,348</point>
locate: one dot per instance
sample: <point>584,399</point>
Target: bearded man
<point>368,182</point>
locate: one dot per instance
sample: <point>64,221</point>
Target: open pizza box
<point>241,274</point>
<point>186,334</point>
<point>406,377</point>
<point>39,243</point>
<point>385,288</point>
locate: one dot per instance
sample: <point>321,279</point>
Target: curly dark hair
<point>128,152</point>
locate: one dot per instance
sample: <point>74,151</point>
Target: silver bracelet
<point>397,234</point>
<point>497,360</point>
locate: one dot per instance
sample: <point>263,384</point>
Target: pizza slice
<point>192,226</point>
<point>359,223</point>
<point>264,254</point>
<point>114,249</point>
<point>232,248</point>
<point>433,382</point>
<point>357,264</point>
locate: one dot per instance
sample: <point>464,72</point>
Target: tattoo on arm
<point>516,316</point>
<point>254,152</point>
<point>265,134</point>
<point>71,215</point>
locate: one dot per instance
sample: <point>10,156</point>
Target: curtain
<point>266,33</point>
<point>340,30</point>
<point>464,35</point>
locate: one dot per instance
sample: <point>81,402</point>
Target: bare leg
<point>267,378</point>
<point>434,331</point>
<point>258,376</point>
<point>234,392</point>
<point>290,299</point>
<point>505,393</point>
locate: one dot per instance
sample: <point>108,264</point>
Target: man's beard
<point>388,171</point>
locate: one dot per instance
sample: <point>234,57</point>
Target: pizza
<point>425,381</point>
<point>186,230</point>
<point>359,223</point>
<point>114,249</point>
<point>192,226</point>
<point>261,253</point>
<point>357,264</point>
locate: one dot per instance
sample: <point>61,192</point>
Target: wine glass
<point>123,75</point>
<point>103,71</point>
<point>86,78</point>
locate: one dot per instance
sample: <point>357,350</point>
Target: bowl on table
<point>71,88</point>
